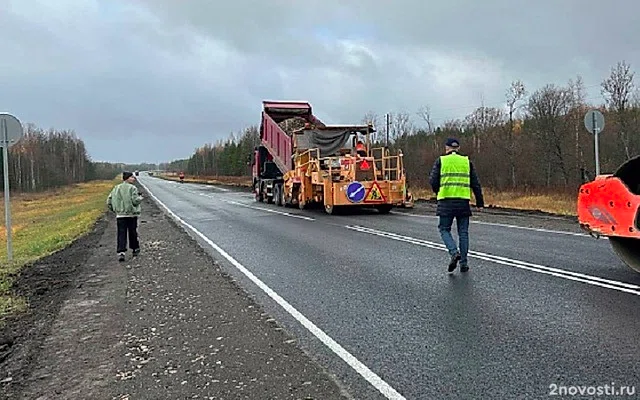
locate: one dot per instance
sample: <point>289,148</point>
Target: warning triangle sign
<point>375,195</point>
<point>364,165</point>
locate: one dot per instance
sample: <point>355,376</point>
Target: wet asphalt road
<point>537,308</point>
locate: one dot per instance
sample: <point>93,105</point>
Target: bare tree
<point>451,126</point>
<point>617,90</point>
<point>400,125</point>
<point>374,119</point>
<point>514,95</point>
<point>548,107</point>
<point>425,114</point>
<point>482,121</point>
<point>578,109</point>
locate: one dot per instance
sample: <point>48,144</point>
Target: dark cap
<point>451,142</point>
<point>126,175</point>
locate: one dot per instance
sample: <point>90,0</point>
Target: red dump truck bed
<point>277,142</point>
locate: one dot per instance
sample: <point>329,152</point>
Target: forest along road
<point>369,297</point>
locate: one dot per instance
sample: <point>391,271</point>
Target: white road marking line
<point>269,210</point>
<point>574,276</point>
<point>347,357</point>
<point>501,225</point>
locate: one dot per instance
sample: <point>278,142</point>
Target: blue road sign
<point>355,192</point>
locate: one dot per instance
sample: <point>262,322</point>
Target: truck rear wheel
<point>269,199</point>
<point>257,193</point>
<point>263,193</point>
<point>278,195</point>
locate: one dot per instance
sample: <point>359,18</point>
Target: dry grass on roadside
<point>44,223</point>
<point>556,203</point>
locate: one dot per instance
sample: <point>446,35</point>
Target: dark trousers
<point>127,226</point>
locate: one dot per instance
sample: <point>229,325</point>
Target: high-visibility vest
<point>455,177</point>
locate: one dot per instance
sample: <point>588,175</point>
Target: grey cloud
<point>547,38</point>
<point>153,79</point>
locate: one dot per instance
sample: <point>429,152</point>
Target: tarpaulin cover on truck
<point>329,142</point>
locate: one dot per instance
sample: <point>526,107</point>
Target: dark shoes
<point>121,257</point>
<point>136,252</point>
<point>453,264</point>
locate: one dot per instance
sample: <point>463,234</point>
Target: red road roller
<point>610,206</point>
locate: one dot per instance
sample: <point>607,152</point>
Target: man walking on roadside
<point>452,179</point>
<point>124,200</point>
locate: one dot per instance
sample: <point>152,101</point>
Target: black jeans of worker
<point>127,226</point>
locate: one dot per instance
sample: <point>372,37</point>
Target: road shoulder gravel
<point>166,324</point>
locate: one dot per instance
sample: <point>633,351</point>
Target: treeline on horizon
<point>50,159</point>
<point>537,142</point>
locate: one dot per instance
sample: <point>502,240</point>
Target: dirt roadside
<point>169,324</point>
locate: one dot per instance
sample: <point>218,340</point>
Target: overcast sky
<point>150,80</point>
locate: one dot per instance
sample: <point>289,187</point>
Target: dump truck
<point>609,206</point>
<point>333,166</point>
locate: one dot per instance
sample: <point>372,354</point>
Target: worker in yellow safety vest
<point>453,178</point>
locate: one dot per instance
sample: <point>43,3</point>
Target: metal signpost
<point>10,132</point>
<point>594,122</point>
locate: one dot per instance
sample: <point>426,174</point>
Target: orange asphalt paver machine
<point>333,166</point>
